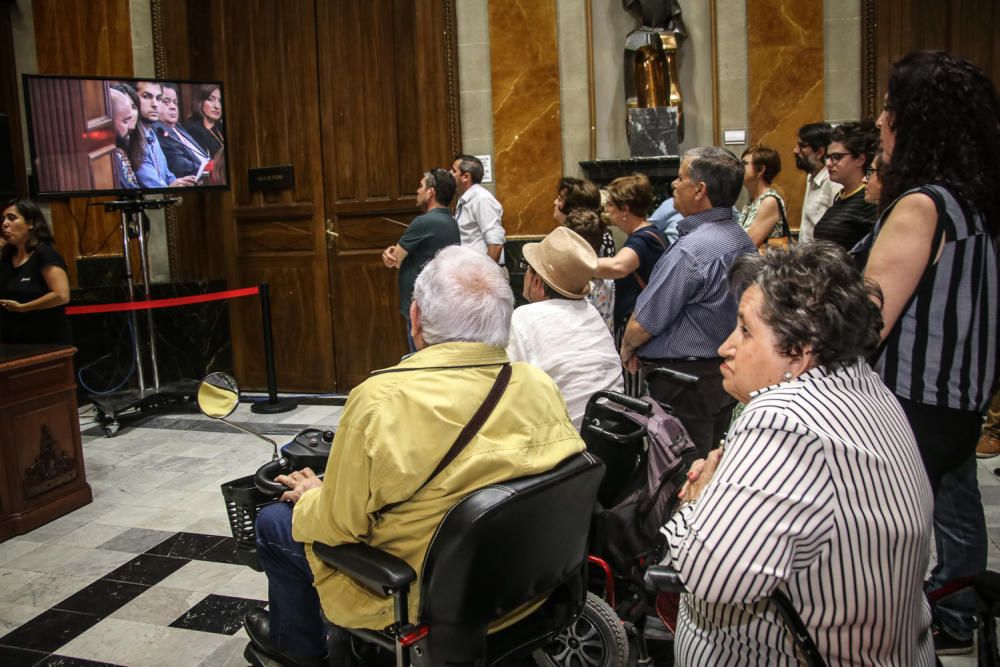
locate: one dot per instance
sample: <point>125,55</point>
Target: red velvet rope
<point>161,303</point>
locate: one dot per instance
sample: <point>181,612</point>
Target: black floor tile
<point>147,569</point>
<point>50,630</point>
<point>223,552</point>
<point>102,598</point>
<point>217,613</point>
<point>186,545</point>
<point>19,657</point>
<point>67,661</point>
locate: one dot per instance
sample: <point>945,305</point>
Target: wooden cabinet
<point>41,457</point>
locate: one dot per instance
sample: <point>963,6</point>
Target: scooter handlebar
<point>263,479</point>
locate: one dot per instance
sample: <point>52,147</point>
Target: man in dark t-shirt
<point>424,236</point>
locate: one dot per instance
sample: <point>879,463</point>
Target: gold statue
<point>651,57</point>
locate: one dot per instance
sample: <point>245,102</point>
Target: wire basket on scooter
<point>243,502</point>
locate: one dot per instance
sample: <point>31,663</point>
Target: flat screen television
<point>91,136</point>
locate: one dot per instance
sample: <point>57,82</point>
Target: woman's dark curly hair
<point>945,113</point>
<point>39,231</point>
<point>814,298</point>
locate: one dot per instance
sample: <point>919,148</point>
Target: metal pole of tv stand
<point>132,226</point>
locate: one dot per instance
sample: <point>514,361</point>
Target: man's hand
<point>298,482</point>
<point>389,257</point>
<point>700,475</point>
<point>184,181</point>
<point>630,360</point>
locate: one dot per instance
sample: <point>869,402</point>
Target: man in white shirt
<point>559,331</point>
<point>810,157</point>
<point>478,212</point>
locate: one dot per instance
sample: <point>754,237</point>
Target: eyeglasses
<point>873,170</point>
<point>523,265</point>
<point>834,158</point>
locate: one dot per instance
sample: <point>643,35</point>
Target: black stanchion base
<point>273,408</point>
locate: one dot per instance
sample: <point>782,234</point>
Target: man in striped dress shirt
<point>821,491</point>
<point>686,310</point>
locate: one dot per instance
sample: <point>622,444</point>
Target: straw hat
<point>565,261</point>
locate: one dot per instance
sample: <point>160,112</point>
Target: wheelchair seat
<point>498,550</point>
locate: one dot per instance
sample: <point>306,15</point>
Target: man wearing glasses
<point>850,153</point>
<point>810,157</point>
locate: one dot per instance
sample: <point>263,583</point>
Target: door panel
<point>384,121</point>
<point>272,118</point>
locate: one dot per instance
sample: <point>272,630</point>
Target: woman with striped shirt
<point>820,493</point>
<point>935,257</point>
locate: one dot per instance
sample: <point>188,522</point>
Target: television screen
<point>93,136</point>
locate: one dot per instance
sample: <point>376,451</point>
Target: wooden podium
<point>41,458</point>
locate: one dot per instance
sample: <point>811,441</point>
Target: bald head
<point>122,112</point>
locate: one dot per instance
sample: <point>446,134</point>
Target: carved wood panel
<point>893,28</point>
<point>86,38</point>
<point>273,118</point>
<point>385,119</point>
<point>360,98</point>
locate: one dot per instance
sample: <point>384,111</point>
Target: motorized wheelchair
<point>501,548</point>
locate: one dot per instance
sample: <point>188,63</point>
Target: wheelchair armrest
<point>373,568</point>
<point>663,579</point>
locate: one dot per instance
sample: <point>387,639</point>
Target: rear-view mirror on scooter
<point>218,396</point>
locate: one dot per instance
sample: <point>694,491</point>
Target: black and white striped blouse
<point>943,349</point>
<point>821,493</point>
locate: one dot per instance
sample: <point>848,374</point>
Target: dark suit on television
<point>184,154</point>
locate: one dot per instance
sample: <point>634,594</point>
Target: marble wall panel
<point>527,155</point>
<point>785,53</point>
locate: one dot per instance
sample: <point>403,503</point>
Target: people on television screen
<point>154,172</point>
<point>205,121</point>
<point>185,156</point>
<point>125,116</point>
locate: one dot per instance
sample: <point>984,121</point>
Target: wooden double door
<point>359,98</point>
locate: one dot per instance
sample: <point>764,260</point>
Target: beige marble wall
<point>474,83</point>
<point>785,39</point>
<point>574,90</point>
<point>842,59</point>
<point>527,142</point>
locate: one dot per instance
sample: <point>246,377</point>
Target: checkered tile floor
<point>146,574</point>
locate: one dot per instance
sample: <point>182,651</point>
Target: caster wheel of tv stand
<point>111,428</point>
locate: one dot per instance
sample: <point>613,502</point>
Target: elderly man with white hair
<point>380,488</point>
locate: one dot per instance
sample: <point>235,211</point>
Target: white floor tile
<point>202,576</point>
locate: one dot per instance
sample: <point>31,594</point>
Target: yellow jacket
<point>395,429</point>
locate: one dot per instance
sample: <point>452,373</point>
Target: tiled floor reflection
<point>146,574</point>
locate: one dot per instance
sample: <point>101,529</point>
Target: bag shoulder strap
<point>467,433</point>
<point>781,214</point>
<point>648,233</point>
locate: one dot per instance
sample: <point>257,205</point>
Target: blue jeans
<point>961,540</point>
<point>296,619</point>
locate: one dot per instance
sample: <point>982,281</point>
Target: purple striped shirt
<point>687,306</point>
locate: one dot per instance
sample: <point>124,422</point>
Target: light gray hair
<point>463,297</point>
<point>719,170</point>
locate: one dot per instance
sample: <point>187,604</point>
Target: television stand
<point>112,407</point>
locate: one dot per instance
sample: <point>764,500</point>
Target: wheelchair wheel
<point>595,639</point>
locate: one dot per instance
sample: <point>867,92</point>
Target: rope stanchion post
<point>273,404</point>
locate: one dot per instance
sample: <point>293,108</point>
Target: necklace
<point>218,135</point>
